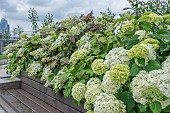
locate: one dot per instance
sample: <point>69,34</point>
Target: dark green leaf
<point>132,111</point>
<point>152,65</point>
<point>167,109</point>
<point>155,107</point>
<point>132,41</point>
<point>128,100</point>
<point>135,70</point>
<point>141,61</point>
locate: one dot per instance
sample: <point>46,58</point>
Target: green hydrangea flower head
<point>87,106</point>
<point>151,18</point>
<point>4,66</point>
<point>90,111</point>
<point>99,67</point>
<point>78,91</point>
<point>129,26</point>
<point>153,94</point>
<point>78,55</point>
<point>119,73</point>
<point>147,13</point>
<point>51,33</point>
<point>10,55</point>
<point>138,51</point>
<point>166,17</point>
<point>153,42</point>
<point>145,18</point>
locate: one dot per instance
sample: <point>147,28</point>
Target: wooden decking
<point>19,101</point>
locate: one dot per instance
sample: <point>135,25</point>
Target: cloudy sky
<point>16,11</point>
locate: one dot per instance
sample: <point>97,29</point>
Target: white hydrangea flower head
<point>47,83</point>
<point>163,83</point>
<point>20,52</point>
<point>62,39</point>
<point>108,103</point>
<point>46,59</point>
<point>38,53</point>
<point>117,28</point>
<point>59,80</point>
<point>138,85</point>
<point>46,73</point>
<point>84,42</point>
<point>142,34</point>
<point>75,31</point>
<point>166,64</point>
<point>157,81</point>
<point>78,91</point>
<point>117,56</point>
<point>93,81</point>
<point>46,40</point>
<point>34,68</point>
<point>165,103</point>
<point>15,73</point>
<point>82,25</point>
<point>151,55</point>
<point>6,52</point>
<point>108,86</point>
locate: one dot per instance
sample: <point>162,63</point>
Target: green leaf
<point>142,108</point>
<point>132,111</point>
<point>147,26</point>
<point>135,70</point>
<point>128,100</point>
<point>132,41</point>
<point>167,109</point>
<point>155,107</point>
<point>141,61</point>
<point>152,65</point>
<point>164,47</point>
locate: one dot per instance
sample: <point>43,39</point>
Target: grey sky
<point>16,11</point>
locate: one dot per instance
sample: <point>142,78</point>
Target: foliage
<point>139,7</point>
<point>113,65</point>
<point>33,17</point>
<point>48,20</point>
<point>18,30</point>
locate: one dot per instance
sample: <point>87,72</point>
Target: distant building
<point>4,26</point>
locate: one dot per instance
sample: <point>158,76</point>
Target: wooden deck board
<point>27,102</point>
<point>15,104</point>
<point>38,101</point>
